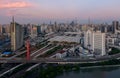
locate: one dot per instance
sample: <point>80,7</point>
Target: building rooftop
<point>65,39</point>
<point>7,53</point>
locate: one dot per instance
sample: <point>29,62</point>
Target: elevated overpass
<point>60,61</point>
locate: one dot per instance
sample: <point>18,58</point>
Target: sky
<point>38,11</point>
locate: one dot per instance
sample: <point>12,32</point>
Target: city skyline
<point>63,10</point>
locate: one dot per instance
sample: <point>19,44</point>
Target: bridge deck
<point>53,60</point>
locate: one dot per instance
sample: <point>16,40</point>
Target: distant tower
<point>115,26</point>
<point>16,35</point>
<point>13,19</point>
<point>33,31</point>
<point>1,29</point>
<point>89,22</point>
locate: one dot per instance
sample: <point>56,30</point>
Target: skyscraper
<point>33,31</point>
<point>1,29</point>
<point>99,43</point>
<point>88,39</point>
<point>115,26</point>
<point>16,35</point>
<point>38,29</point>
<point>95,42</point>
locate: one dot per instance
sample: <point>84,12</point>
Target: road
<point>34,54</point>
<point>20,72</point>
<point>41,51</point>
<point>6,67</point>
<point>53,60</point>
<point>9,70</point>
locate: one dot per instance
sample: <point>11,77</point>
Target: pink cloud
<point>15,5</point>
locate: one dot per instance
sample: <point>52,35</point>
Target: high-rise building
<point>43,28</point>
<point>25,29</point>
<point>6,29</point>
<point>88,39</point>
<point>16,35</point>
<point>103,29</point>
<point>95,42</point>
<point>1,29</point>
<point>115,26</point>
<point>38,30</point>
<point>33,31</point>
<point>99,43</point>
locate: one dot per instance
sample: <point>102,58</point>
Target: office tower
<point>38,30</point>
<point>103,29</point>
<point>25,30</point>
<point>99,43</point>
<point>95,42</point>
<point>16,35</point>
<point>43,28</point>
<point>55,26</point>
<point>48,30</point>
<point>33,31</point>
<point>88,39</point>
<point>5,30</point>
<point>1,29</point>
<point>84,28</point>
<point>115,26</point>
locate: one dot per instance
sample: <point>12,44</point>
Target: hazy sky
<point>36,11</point>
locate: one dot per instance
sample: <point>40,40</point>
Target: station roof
<point>65,39</point>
